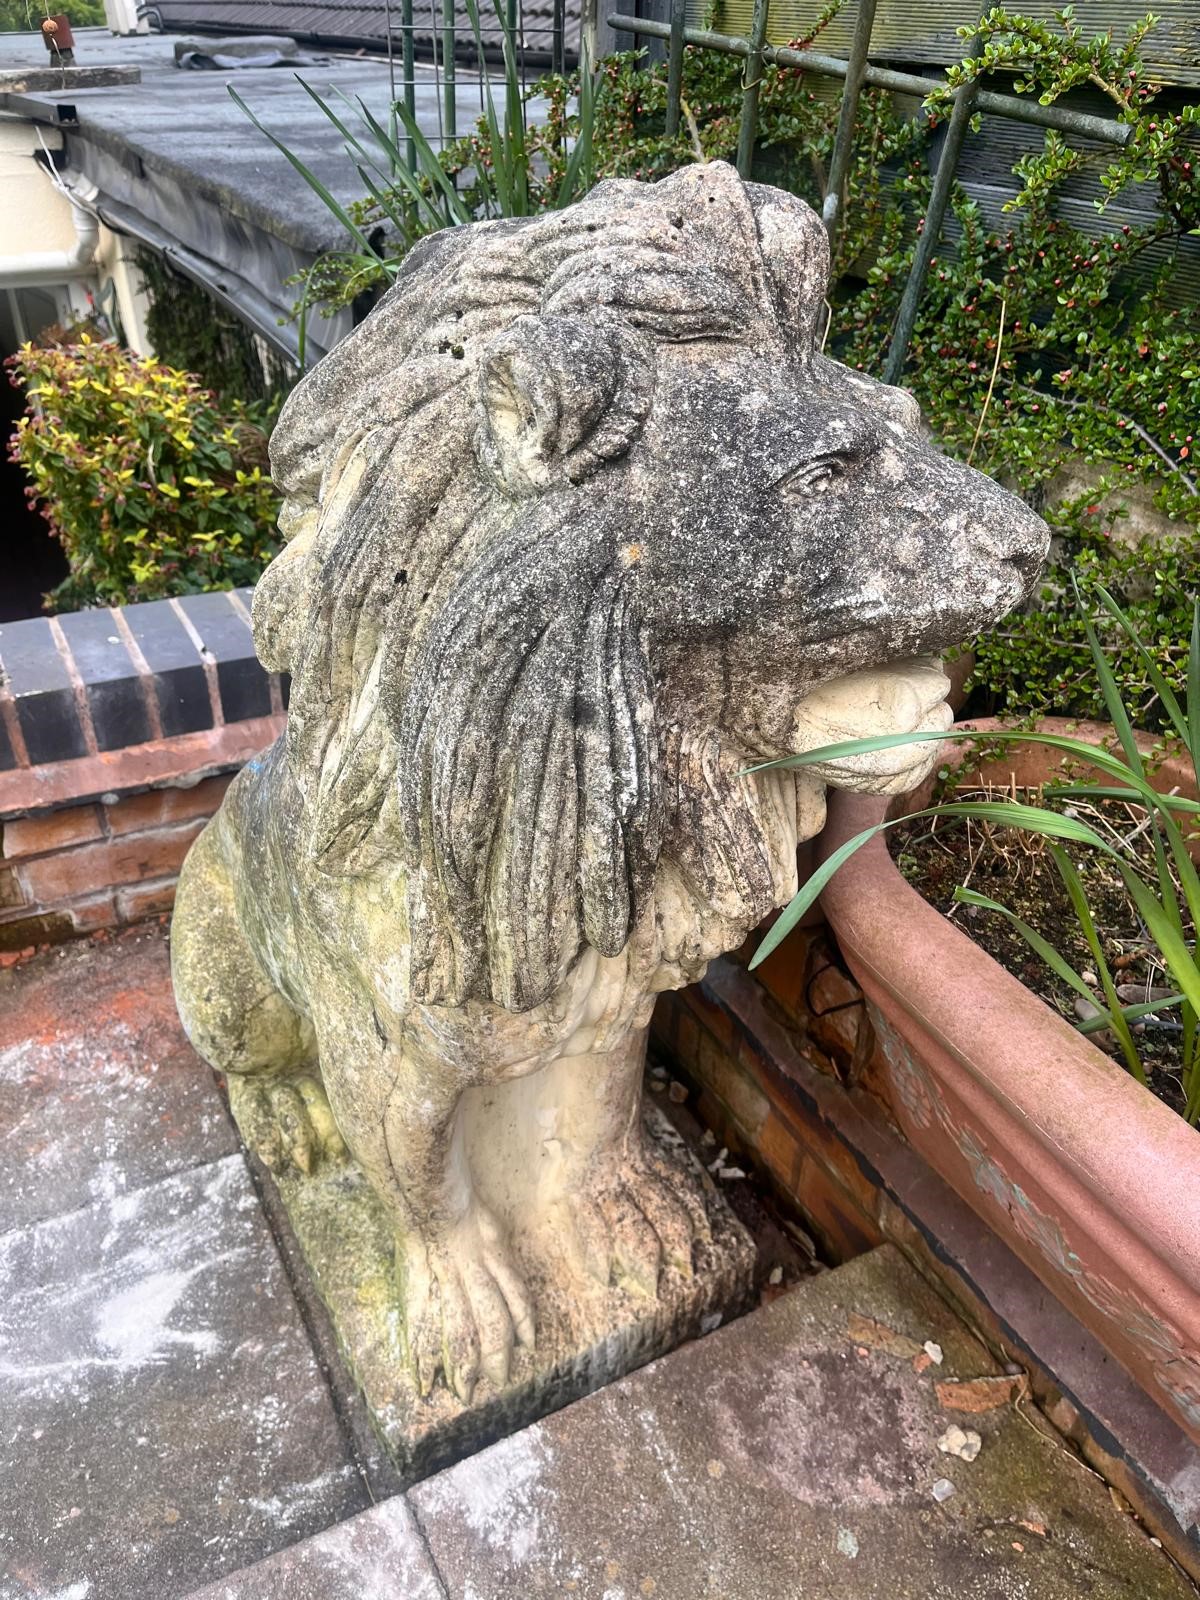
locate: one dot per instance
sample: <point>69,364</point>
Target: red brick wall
<point>99,864</point>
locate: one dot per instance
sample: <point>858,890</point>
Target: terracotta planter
<point>1092,1181</point>
<point>1030,765</point>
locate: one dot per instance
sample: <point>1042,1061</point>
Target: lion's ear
<point>560,396</point>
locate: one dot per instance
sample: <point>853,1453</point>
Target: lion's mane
<point>472,693</point>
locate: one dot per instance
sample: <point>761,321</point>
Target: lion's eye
<point>813,478</point>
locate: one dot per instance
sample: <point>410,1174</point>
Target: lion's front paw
<point>637,1216</point>
<point>464,1304</point>
<point>286,1121</point>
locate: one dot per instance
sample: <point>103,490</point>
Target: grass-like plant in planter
<point>508,174</point>
<point>1166,900</point>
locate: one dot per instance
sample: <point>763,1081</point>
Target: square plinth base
<point>349,1248</point>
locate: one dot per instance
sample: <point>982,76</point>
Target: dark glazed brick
<point>245,691</point>
<point>180,684</point>
<point>226,637</point>
<point>40,685</point>
<point>50,723</point>
<point>110,677</point>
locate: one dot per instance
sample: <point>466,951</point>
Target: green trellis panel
<point>923,32</point>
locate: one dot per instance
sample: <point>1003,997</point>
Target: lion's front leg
<point>464,1304</point>
<point>633,1213</point>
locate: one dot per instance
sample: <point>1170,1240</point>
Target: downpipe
<point>52,266</point>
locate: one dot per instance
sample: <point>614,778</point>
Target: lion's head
<point>580,482</point>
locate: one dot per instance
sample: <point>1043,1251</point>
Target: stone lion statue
<point>581,525</point>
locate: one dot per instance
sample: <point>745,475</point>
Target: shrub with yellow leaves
<point>152,486</point>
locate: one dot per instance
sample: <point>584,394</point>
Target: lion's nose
<point>1004,529</point>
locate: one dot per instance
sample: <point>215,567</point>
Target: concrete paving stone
<point>792,1454</point>
<point>162,1418</point>
<point>99,1090</point>
<point>378,1555</point>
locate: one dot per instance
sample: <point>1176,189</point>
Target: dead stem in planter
<point>941,854</point>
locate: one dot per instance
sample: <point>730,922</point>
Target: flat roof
<point>178,163</point>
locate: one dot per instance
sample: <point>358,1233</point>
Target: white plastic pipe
<point>52,266</point>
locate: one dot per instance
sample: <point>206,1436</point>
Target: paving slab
<point>163,1420</point>
<point>793,1454</point>
<point>99,1090</point>
<point>378,1555</point>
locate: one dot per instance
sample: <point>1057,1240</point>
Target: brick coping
<point>110,700</point>
<point>162,763</point>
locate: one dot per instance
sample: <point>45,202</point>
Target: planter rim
<point>1122,1144</point>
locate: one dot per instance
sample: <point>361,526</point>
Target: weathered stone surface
<point>589,1333</point>
<point>582,524</point>
<point>162,1417</point>
<point>792,1454</point>
<point>378,1555</point>
<point>99,1092</point>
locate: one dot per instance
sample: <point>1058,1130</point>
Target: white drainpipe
<point>52,266</point>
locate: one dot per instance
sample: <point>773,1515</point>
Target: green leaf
<point>1161,687</point>
<point>808,893</point>
<point>310,178</point>
<point>1057,963</point>
<point>1133,1013</point>
<point>1099,791</point>
<point>1193,692</point>
<point>1117,714</point>
<point>1087,924</point>
<point>1180,959</point>
<point>1029,819</point>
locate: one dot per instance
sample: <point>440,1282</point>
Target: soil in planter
<point>938,854</point>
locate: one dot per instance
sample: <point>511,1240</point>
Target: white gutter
<point>52,266</point>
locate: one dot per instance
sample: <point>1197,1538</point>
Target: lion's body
<point>581,525</point>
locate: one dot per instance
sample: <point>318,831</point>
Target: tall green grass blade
<point>1117,714</point>
<point>1076,749</point>
<point>1133,1013</point>
<point>384,199</point>
<point>1029,819</point>
<point>1053,959</point>
<point>354,144</point>
<point>1180,959</point>
<point>1010,813</point>
<point>310,177</point>
<point>1087,924</point>
<point>1097,791</point>
<point>1162,688</point>
<point>580,163</point>
<point>1193,693</point>
<point>808,893</point>
<point>495,185</point>
<point>516,154</point>
<point>457,211</point>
